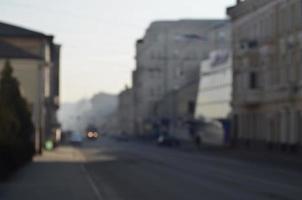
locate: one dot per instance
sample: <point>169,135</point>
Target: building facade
<point>267,95</point>
<point>35,60</point>
<point>213,108</point>
<point>168,59</point>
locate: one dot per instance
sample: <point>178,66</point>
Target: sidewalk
<point>54,175</point>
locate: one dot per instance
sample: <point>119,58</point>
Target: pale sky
<point>98,36</point>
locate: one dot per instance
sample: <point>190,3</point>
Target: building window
<point>253,80</point>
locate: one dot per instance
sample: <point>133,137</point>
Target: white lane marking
<point>92,183</point>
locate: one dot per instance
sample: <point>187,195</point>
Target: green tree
<point>16,127</point>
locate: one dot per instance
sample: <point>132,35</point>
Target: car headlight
<point>90,134</point>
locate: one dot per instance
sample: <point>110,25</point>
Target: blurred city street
<point>151,100</point>
<point>110,169</point>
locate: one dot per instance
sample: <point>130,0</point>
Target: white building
<point>215,90</point>
<point>214,98</point>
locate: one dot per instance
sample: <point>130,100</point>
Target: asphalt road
<point>118,170</point>
<point>128,171</point>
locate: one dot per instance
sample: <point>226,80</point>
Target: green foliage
<point>9,124</point>
<point>10,98</point>
<point>16,128</point>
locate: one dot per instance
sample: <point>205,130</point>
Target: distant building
<point>35,60</point>
<point>111,126</point>
<point>168,59</point>
<point>267,44</point>
<point>126,112</point>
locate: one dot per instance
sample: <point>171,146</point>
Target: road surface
<point>120,170</point>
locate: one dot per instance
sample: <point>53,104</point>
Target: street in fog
<point>110,169</point>
<point>151,100</point>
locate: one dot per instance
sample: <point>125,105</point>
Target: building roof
<point>242,8</point>
<point>8,51</point>
<point>185,23</point>
<point>12,30</point>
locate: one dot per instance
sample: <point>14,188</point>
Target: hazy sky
<point>98,36</point>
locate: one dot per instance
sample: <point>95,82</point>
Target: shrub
<point>16,128</point>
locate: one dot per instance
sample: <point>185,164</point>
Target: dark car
<point>92,132</point>
<point>92,135</point>
<point>165,140</point>
<point>76,139</point>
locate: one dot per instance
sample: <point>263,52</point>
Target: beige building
<point>35,61</point>
<point>267,94</point>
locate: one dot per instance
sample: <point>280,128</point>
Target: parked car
<point>166,140</point>
<point>76,139</point>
